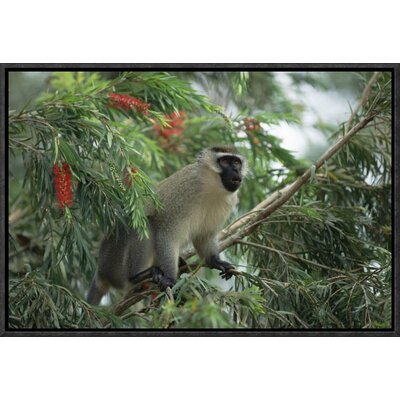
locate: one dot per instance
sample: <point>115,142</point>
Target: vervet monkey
<point>195,203</point>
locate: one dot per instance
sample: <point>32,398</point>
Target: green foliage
<point>199,304</point>
<point>35,303</point>
<point>321,261</point>
<point>314,264</point>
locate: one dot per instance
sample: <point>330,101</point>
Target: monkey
<point>195,201</point>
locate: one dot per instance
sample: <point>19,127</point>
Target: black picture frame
<point>6,68</point>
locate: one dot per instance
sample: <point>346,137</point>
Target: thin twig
<point>27,146</point>
<point>364,98</point>
<point>16,215</point>
<point>280,252</point>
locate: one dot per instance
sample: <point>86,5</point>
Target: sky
<point>331,106</point>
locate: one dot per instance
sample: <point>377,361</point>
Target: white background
<point>208,31</point>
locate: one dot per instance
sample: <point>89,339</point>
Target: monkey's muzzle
<point>235,183</point>
<point>231,182</point>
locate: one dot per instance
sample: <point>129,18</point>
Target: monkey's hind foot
<point>162,280</point>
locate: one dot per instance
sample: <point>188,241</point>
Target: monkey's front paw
<point>224,267</point>
<point>162,280</point>
<point>227,272</point>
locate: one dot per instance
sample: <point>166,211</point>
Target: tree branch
<point>364,98</point>
<point>245,227</point>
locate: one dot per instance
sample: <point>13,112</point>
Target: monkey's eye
<point>236,163</point>
<point>224,162</point>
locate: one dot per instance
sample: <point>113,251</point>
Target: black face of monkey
<point>231,174</point>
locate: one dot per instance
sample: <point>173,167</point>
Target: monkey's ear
<point>208,158</point>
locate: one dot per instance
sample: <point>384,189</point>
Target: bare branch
<point>363,100</point>
<point>277,199</point>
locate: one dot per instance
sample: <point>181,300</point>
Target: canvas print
<point>199,199</point>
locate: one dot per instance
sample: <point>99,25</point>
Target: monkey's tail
<point>97,290</point>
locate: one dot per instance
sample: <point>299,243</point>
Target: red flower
<point>129,176</point>
<point>146,286</point>
<point>176,122</point>
<point>126,102</point>
<point>63,185</point>
<point>251,124</point>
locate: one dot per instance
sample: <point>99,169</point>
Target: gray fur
<point>195,205</point>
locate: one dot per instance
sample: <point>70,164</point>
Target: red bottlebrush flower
<point>63,185</point>
<point>176,122</point>
<point>126,102</point>
<point>129,177</point>
<point>251,124</point>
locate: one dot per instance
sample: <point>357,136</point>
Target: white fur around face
<point>209,158</point>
